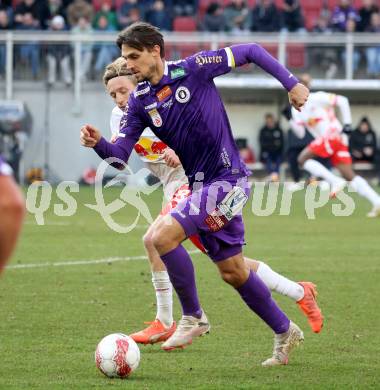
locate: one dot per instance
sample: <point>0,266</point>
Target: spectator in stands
<point>27,7</point>
<point>351,28</point>
<point>237,16</point>
<point>79,9</point>
<point>37,9</point>
<point>363,142</point>
<point>271,139</point>
<point>5,24</point>
<point>292,18</point>
<point>245,152</point>
<point>58,54</point>
<point>373,53</point>
<point>4,6</point>
<point>365,14</point>
<point>107,12</point>
<point>158,16</point>
<point>105,52</point>
<point>266,17</point>
<point>29,52</point>
<point>185,7</point>
<point>129,12</point>
<point>82,29</point>
<point>214,19</point>
<point>341,14</point>
<point>53,8</point>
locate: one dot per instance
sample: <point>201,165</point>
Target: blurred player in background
<point>331,141</point>
<point>165,164</point>
<point>196,127</point>
<point>12,209</point>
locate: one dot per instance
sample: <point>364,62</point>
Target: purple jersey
<point>186,112</point>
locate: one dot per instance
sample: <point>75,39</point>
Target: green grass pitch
<point>52,317</point>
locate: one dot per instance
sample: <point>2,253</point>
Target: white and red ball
<point>117,355</point>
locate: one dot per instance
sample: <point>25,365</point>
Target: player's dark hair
<point>118,68</point>
<point>140,36</point>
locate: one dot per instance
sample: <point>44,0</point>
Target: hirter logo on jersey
<point>202,60</point>
<point>163,93</point>
<point>156,117</point>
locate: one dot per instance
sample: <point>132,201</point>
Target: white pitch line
<point>83,262</point>
<point>61,223</point>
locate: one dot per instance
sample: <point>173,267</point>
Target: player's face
<point>119,89</point>
<point>143,64</point>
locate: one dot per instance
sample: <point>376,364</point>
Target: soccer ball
<point>117,355</point>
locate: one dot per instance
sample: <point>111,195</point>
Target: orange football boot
<point>308,305</point>
<point>154,333</point>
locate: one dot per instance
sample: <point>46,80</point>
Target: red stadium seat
<point>184,23</point>
<point>203,4</point>
<point>296,56</point>
<point>271,49</point>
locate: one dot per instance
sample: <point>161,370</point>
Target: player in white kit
<point>165,164</point>
<point>318,116</point>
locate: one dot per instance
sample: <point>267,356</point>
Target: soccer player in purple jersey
<point>181,104</point>
<point>11,213</point>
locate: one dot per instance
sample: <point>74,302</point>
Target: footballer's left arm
<point>254,53</point>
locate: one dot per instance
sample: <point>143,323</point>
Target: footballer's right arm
<point>131,127</point>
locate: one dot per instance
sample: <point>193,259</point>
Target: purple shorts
<point>214,212</point>
<point>5,169</point>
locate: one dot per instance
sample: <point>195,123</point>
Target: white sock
<point>364,189</point>
<point>164,296</point>
<point>279,283</point>
<point>317,169</point>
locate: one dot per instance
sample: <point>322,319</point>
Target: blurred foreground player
<point>195,120</point>
<point>11,213</point>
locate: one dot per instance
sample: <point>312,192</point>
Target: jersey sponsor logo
<point>228,208</point>
<point>225,158</point>
<point>156,117</point>
<point>203,60</point>
<point>178,72</point>
<point>233,203</point>
<point>182,95</point>
<point>151,106</point>
<point>216,221</point>
<point>142,91</point>
<point>312,122</point>
<point>168,104</point>
<point>163,93</point>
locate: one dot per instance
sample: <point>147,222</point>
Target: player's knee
<point>300,160</point>
<point>162,240</point>
<point>148,240</point>
<point>235,277</point>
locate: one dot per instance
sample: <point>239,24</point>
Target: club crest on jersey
<point>182,95</point>
<point>156,117</point>
<point>163,93</point>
